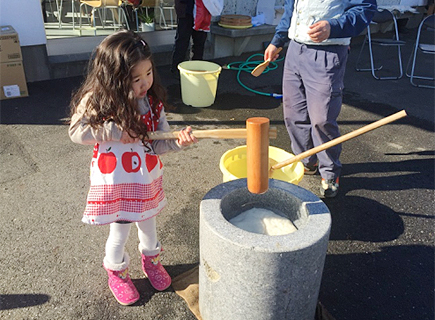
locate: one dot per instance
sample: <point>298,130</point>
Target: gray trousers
<point>312,97</point>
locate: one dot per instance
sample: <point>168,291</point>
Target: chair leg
<point>413,69</point>
<point>102,16</point>
<point>413,76</point>
<point>51,7</point>
<point>115,13</point>
<point>124,15</point>
<point>399,55</point>
<point>399,50</point>
<point>411,58</point>
<point>80,19</point>
<point>372,62</point>
<point>372,68</point>
<point>81,13</point>
<point>359,56</point>
<point>391,43</point>
<point>73,14</point>
<point>93,21</point>
<point>162,18</point>
<point>172,18</point>
<point>137,19</point>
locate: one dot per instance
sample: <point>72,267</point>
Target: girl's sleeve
<point>80,131</point>
<point>164,146</point>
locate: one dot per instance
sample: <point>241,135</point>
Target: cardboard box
<point>10,49</point>
<point>12,80</point>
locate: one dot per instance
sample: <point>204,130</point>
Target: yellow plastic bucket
<point>199,81</point>
<point>233,165</point>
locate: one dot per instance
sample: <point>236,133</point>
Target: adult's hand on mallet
<point>319,31</point>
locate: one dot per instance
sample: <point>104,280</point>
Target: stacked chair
<point>100,7</point>
<point>424,44</point>
<point>382,17</point>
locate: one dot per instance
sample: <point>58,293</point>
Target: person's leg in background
<point>323,73</point>
<point>199,38</point>
<point>182,41</point>
<point>44,10</point>
<point>312,98</point>
<point>295,109</point>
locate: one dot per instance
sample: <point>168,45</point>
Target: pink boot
<point>120,283</point>
<point>154,270</point>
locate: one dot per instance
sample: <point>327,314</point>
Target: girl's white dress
<point>125,179</point>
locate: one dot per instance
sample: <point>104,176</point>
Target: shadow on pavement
<point>362,219</point>
<point>13,301</point>
<point>351,285</point>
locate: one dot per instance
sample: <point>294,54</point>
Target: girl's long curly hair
<point>109,83</point>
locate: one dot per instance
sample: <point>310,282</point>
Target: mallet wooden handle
<point>257,154</point>
<point>209,134</point>
<point>341,139</point>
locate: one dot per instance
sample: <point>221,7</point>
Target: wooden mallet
<point>257,154</point>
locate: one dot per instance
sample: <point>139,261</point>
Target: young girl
<point>117,105</point>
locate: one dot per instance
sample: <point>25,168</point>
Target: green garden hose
<point>248,66</point>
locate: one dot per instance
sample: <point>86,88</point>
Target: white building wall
<point>25,16</point>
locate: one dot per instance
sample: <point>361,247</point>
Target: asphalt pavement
<point>380,259</point>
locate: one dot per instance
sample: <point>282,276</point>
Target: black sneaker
<point>310,170</point>
<point>329,188</point>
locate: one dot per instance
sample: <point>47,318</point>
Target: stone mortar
<point>244,275</point>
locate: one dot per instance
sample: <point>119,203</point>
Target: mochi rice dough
<point>263,221</point>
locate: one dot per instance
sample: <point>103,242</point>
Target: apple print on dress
<point>107,162</point>
<point>95,151</point>
<point>151,161</point>
<point>131,161</point>
<point>95,154</point>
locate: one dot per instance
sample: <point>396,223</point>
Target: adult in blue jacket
<point>319,33</point>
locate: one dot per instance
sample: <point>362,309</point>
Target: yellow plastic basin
<point>233,165</point>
